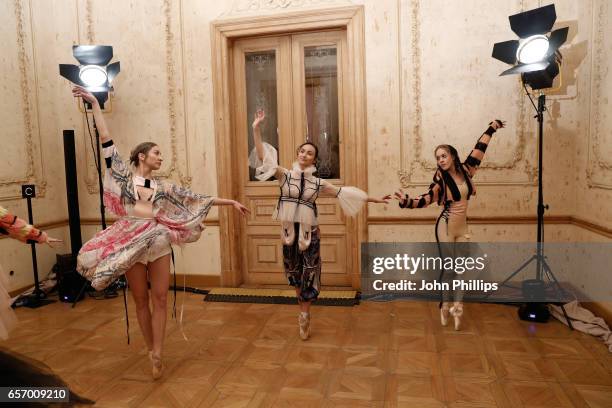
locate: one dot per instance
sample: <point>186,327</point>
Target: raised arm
<point>79,92</point>
<point>264,157</point>
<point>472,162</point>
<point>431,196</point>
<point>260,115</point>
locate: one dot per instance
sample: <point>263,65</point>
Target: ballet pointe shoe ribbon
<point>304,323</point>
<point>457,311</point>
<point>444,312</point>
<point>157,367</point>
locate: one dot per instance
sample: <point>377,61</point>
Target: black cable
<point>529,95</point>
<point>173,286</point>
<point>127,318</point>
<point>93,150</point>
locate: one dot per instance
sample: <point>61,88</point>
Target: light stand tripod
<point>542,267</point>
<point>37,298</point>
<point>99,169</point>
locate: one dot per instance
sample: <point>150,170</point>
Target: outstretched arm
<point>383,200</point>
<point>475,157</point>
<point>80,92</point>
<point>237,206</point>
<point>329,189</point>
<point>351,199</point>
<point>431,196</point>
<point>17,228</point>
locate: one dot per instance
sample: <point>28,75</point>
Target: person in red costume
<point>17,228</point>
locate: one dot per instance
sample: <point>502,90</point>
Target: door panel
<point>318,66</point>
<point>297,80</point>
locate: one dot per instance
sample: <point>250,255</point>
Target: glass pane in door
<point>261,94</point>
<point>321,81</point>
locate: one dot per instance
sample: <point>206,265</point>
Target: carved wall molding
<point>10,187</point>
<point>89,20</point>
<point>184,178</point>
<point>417,162</point>
<point>173,170</point>
<point>595,162</point>
<point>603,230</point>
<point>240,7</point>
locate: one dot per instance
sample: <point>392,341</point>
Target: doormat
<point>280,296</point>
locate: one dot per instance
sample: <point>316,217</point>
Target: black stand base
<point>32,301</point>
<point>535,312</point>
<point>537,308</point>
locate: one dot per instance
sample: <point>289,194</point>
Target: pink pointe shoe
<point>304,322</point>
<point>457,311</point>
<point>157,367</point>
<point>444,312</point>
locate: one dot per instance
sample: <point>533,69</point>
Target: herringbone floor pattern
<point>374,354</point>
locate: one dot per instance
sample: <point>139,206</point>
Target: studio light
<point>535,56</point>
<point>93,75</point>
<point>532,49</point>
<point>93,72</point>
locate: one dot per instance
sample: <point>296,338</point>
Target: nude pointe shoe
<point>457,312</point>
<point>444,314</point>
<point>304,323</point>
<point>157,367</point>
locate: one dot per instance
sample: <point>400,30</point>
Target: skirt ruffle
<point>112,252</point>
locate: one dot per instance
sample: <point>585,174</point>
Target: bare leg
<point>137,279</point>
<point>304,306</point>
<point>457,309</point>
<point>304,316</point>
<point>159,274</point>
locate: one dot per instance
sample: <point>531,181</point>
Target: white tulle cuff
<point>266,168</point>
<point>351,200</point>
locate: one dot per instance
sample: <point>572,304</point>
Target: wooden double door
<point>298,80</point>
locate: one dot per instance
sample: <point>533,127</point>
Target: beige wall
<point>429,80</point>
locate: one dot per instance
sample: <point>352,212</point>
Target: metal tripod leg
<point>80,294</point>
<point>558,288</point>
<point>513,274</point>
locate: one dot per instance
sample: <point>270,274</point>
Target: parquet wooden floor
<point>372,355</point>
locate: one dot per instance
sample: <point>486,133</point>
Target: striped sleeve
<point>431,196</point>
<point>108,148</point>
<point>475,157</point>
<point>114,162</point>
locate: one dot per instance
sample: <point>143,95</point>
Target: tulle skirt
<point>112,252</point>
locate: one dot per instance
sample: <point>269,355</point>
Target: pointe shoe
<point>304,323</point>
<point>444,315</point>
<point>157,367</point>
<point>457,311</point>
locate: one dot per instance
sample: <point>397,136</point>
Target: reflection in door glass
<point>261,94</point>
<point>321,80</point>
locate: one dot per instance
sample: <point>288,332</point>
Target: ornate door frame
<point>223,32</point>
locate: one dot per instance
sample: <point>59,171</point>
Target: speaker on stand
<point>69,281</point>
